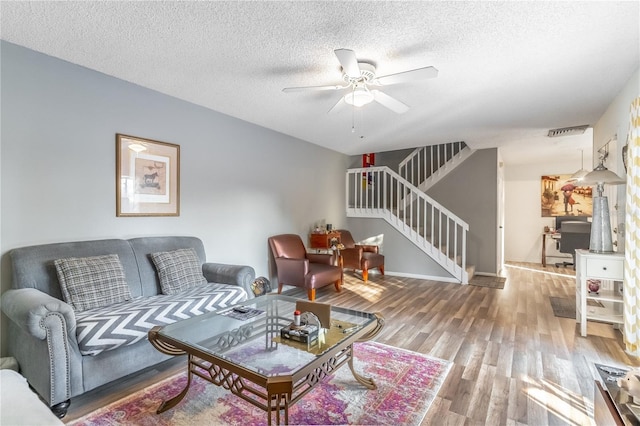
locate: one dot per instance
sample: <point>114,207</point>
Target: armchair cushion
<point>92,282</point>
<point>178,270</point>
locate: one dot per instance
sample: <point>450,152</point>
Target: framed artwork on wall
<point>562,196</point>
<point>147,177</point>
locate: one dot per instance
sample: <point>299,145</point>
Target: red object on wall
<point>368,160</point>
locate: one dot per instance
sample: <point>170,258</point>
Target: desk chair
<point>574,235</point>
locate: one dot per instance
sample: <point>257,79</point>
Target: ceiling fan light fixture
<point>359,96</point>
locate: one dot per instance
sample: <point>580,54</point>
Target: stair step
<point>471,271</point>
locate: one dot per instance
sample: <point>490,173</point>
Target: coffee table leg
<point>367,381</point>
<point>278,403</point>
<point>170,403</point>
<point>279,392</point>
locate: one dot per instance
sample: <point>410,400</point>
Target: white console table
<point>609,270</point>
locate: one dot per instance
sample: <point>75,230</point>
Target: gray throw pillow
<point>92,282</point>
<point>178,270</point>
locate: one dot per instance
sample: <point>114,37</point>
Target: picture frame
<point>560,195</point>
<point>147,177</point>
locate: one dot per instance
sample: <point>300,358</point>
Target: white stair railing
<point>379,192</point>
<point>425,166</point>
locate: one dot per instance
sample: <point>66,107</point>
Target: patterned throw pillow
<point>92,282</point>
<point>178,270</point>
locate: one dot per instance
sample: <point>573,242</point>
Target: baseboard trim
<point>422,277</point>
<point>486,274</point>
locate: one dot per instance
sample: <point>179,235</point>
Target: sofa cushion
<point>178,270</point>
<point>126,323</point>
<point>92,282</point>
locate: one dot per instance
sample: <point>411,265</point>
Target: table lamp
<point>601,227</point>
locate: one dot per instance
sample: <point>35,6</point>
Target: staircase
<point>425,166</point>
<point>379,192</point>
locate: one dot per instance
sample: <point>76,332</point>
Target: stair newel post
<point>464,258</point>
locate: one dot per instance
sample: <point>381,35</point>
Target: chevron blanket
<point>105,328</point>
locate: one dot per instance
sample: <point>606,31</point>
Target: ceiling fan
<point>361,76</point>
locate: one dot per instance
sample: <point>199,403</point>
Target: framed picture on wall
<point>562,196</point>
<point>147,177</point>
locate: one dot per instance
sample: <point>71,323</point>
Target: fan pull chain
<point>353,113</point>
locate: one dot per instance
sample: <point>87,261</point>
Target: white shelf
<point>604,314</point>
<point>609,269</point>
<point>605,295</point>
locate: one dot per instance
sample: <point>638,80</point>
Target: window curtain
<point>632,236</point>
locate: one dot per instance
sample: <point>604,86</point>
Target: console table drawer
<point>605,268</point>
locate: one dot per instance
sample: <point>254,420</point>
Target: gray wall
<point>240,183</point>
<point>470,191</point>
<point>401,256</point>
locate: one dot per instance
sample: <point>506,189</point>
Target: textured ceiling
<point>508,71</point>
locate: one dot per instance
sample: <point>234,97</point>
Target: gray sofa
<point>62,352</point>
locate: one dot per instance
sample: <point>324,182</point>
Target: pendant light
<point>580,174</point>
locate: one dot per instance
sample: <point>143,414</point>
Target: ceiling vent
<point>568,131</point>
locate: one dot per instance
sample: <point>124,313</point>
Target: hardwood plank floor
<point>515,363</point>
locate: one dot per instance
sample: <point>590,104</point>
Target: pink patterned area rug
<point>407,385</point>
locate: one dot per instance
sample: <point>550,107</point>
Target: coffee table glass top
<point>252,339</point>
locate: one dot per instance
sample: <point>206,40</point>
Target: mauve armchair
<point>298,268</point>
<point>360,256</point>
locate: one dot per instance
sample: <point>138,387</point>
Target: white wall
<point>240,183</point>
<point>615,122</point>
<point>523,220</point>
<point>523,223</point>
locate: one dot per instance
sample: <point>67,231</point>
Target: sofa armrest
<point>45,342</point>
<point>31,310</point>
<point>240,275</point>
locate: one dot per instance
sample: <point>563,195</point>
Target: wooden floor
<point>514,362</point>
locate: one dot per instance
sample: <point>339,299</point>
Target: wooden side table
<point>323,241</point>
<point>554,236</point>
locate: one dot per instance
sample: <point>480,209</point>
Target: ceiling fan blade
<point>407,76</point>
<point>312,88</point>
<point>349,62</point>
<point>338,106</point>
<point>387,101</point>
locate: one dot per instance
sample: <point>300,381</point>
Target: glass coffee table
<point>241,349</point>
